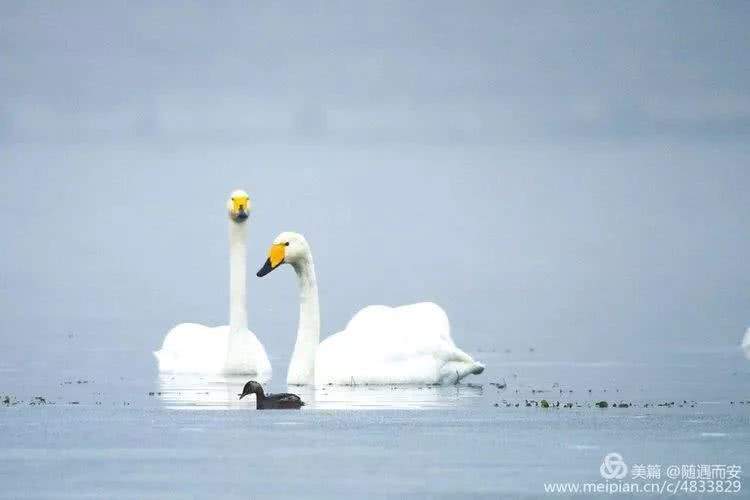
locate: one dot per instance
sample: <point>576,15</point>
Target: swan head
<point>238,206</point>
<point>287,248</point>
<point>252,387</point>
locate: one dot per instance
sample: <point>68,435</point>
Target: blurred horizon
<point>482,72</point>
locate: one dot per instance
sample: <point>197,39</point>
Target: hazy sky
<point>572,176</point>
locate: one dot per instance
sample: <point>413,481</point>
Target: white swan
<point>380,345</point>
<point>746,344</point>
<point>233,349</point>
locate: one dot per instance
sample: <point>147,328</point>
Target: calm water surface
<point>133,434</point>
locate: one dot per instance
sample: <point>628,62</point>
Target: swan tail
<point>458,366</point>
<point>453,372</point>
<point>467,369</point>
<point>465,364</point>
<point>477,368</point>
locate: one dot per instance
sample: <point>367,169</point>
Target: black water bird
<point>281,401</point>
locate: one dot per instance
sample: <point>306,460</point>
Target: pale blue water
<point>572,177</point>
<point>193,439</point>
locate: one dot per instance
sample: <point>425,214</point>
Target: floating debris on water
<point>543,403</point>
<point>9,400</point>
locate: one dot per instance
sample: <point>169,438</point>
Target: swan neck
<point>302,366</point>
<point>237,277</point>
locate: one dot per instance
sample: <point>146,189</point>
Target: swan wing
<point>190,347</point>
<point>245,355</point>
<point>194,348</point>
<point>405,345</point>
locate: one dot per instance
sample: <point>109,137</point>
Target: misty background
<point>567,176</point>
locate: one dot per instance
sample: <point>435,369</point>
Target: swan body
<point>231,349</point>
<point>194,348</point>
<point>380,345</point>
<point>384,345</point>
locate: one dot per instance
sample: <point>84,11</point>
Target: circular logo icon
<point>613,467</point>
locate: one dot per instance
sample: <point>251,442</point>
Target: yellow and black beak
<point>240,208</point>
<point>275,259</point>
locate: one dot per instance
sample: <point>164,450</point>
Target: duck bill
<point>244,394</point>
<point>276,256</point>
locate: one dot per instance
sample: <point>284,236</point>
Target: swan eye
<point>286,244</point>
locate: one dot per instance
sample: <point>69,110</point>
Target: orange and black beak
<point>275,259</point>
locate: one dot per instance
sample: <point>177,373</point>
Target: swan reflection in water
<point>185,391</point>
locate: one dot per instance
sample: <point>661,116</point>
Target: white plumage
<point>409,344</point>
<point>194,348</point>
<point>226,350</point>
<point>380,345</point>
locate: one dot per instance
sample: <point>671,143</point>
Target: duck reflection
<point>185,391</point>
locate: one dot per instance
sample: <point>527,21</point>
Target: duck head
<point>287,248</point>
<point>238,206</point>
<point>252,387</point>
